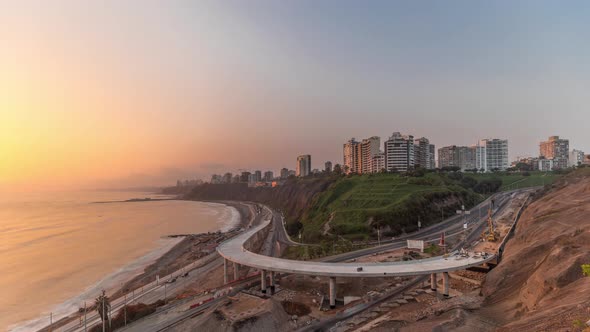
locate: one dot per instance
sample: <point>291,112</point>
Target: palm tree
<point>103,306</point>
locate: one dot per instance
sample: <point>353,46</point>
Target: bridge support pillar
<point>271,275</point>
<point>332,292</point>
<point>224,271</point>
<point>433,281</point>
<point>263,281</point>
<point>446,284</point>
<point>236,270</point>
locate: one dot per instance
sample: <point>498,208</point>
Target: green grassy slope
<point>515,181</point>
<point>354,206</point>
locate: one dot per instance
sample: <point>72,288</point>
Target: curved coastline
<point>118,280</point>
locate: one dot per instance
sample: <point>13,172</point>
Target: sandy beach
<point>187,250</point>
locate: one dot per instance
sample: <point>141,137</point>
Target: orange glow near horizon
<point>66,123</point>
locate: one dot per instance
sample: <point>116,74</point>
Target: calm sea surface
<point>58,250</point>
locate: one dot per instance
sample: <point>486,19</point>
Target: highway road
<point>277,234</point>
<point>234,251</point>
<point>473,234</point>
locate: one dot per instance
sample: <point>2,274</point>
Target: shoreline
<point>180,254</point>
<point>172,259</point>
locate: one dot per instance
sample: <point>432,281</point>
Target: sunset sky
<point>127,93</point>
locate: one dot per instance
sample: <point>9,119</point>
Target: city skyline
<point>129,94</point>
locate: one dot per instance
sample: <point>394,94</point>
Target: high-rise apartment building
<point>268,176</point>
<point>492,154</point>
<point>245,177</point>
<point>284,173</point>
<point>399,152</point>
<point>423,153</point>
<point>481,160</point>
<point>369,148</point>
<point>446,156</point>
<point>378,163</point>
<point>303,165</point>
<point>576,158</point>
<point>557,149</point>
<point>258,175</point>
<point>352,157</point>
<point>328,167</point>
<point>227,177</point>
<point>432,149</point>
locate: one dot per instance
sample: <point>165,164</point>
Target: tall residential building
<point>258,175</point>
<point>423,153</point>
<point>399,152</point>
<point>557,149</point>
<point>378,163</point>
<point>268,176</point>
<point>467,158</point>
<point>492,154</point>
<point>448,156</point>
<point>576,158</point>
<point>369,148</point>
<point>227,177</point>
<point>245,177</point>
<point>303,165</point>
<point>432,149</point>
<point>457,156</point>
<point>352,156</point>
<point>284,173</point>
<point>252,179</point>
<point>328,167</point>
<point>481,160</point>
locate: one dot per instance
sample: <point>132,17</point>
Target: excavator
<point>490,233</point>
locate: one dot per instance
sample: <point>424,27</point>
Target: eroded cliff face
<point>293,197</point>
<point>539,284</point>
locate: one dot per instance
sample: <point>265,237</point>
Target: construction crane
<point>490,233</point>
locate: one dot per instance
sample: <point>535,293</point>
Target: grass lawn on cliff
<point>349,205</point>
<point>350,202</point>
<point>516,181</point>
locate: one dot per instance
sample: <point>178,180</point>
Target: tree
<point>586,270</point>
<point>468,182</point>
<point>337,169</point>
<point>103,307</point>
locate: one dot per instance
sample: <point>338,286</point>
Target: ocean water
<point>58,250</point>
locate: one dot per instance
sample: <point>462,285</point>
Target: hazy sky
<point>129,93</point>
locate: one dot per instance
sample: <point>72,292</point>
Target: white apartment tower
<point>576,157</point>
<point>369,149</point>
<point>399,152</point>
<point>303,165</point>
<point>492,154</point>
<point>378,163</point>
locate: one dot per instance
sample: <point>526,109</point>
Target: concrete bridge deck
<point>235,250</point>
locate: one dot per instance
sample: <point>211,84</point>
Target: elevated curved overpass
<point>236,251</point>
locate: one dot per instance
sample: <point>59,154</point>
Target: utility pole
<point>85,329</point>
<point>379,235</point>
<point>125,309</point>
<point>50,321</point>
<point>419,224</point>
<point>103,320</point>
